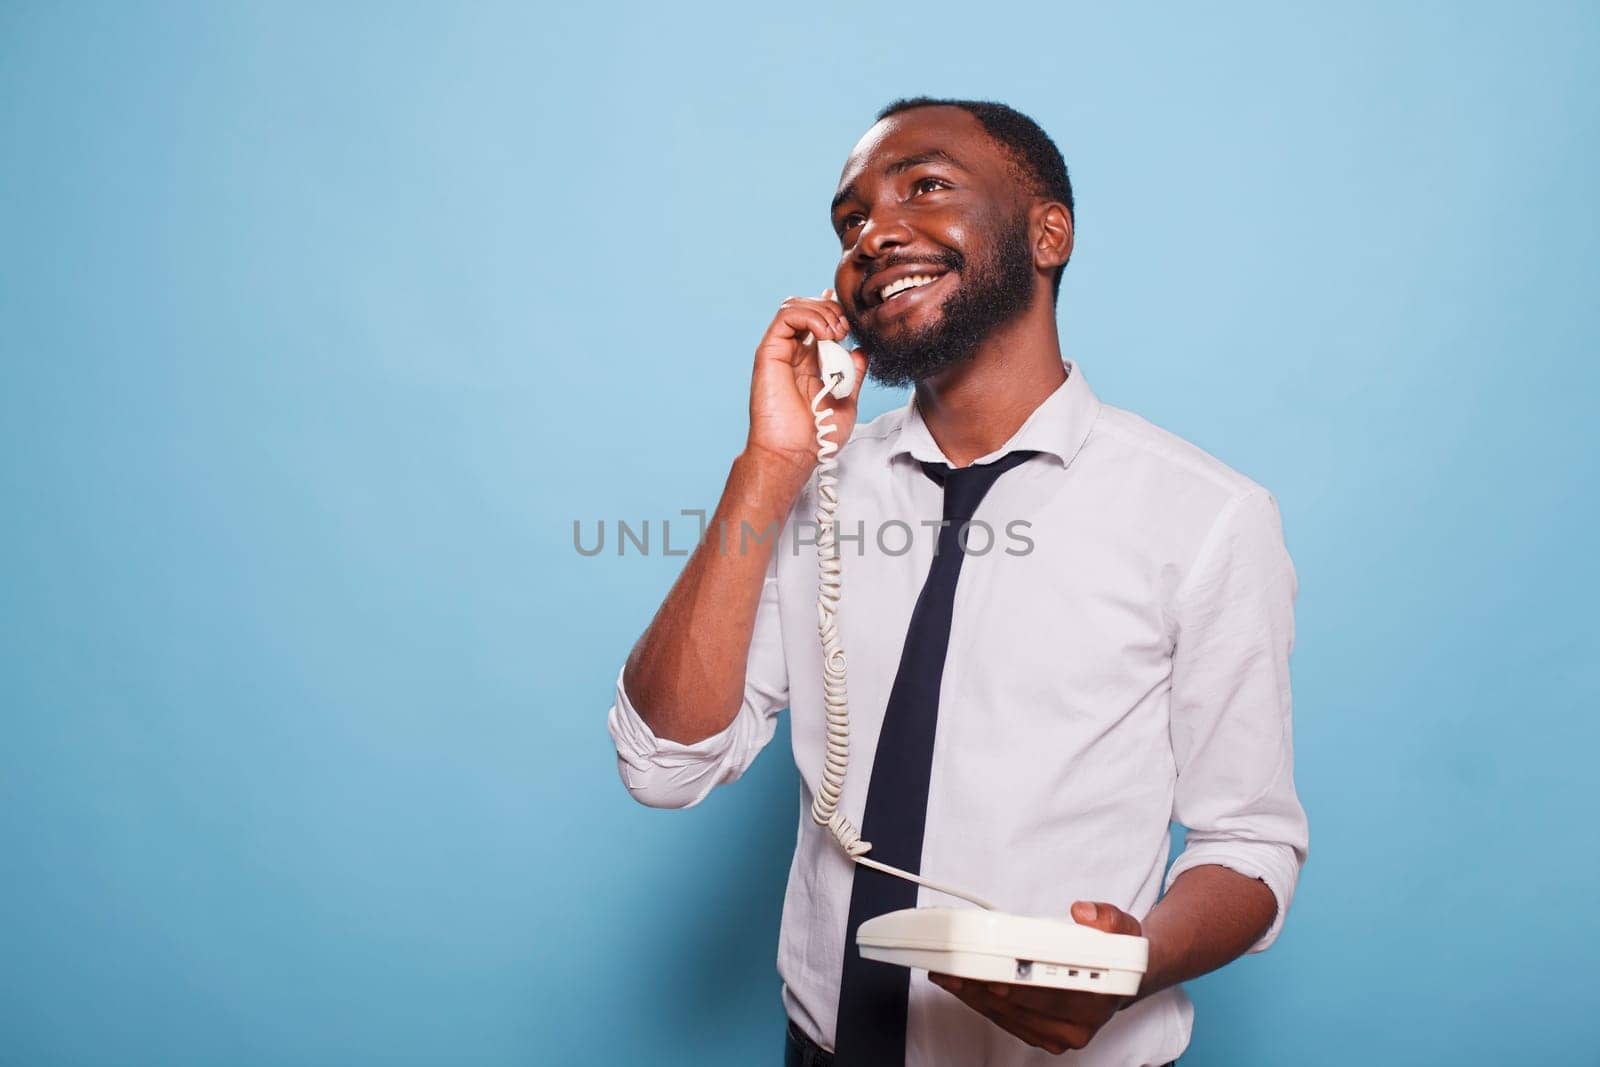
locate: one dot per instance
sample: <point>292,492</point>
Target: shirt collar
<point>1059,425</point>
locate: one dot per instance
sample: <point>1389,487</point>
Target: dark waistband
<point>801,1051</point>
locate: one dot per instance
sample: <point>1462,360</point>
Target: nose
<point>885,229</point>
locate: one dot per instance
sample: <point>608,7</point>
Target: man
<point>1025,723</point>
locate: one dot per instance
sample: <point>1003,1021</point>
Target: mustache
<point>949,259</point>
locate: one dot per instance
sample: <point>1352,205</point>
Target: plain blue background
<point>321,327</point>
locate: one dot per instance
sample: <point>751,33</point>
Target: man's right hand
<point>686,675</point>
<point>786,379</point>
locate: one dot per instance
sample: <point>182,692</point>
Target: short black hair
<point>1038,161</point>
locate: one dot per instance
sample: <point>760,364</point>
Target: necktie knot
<point>965,487</point>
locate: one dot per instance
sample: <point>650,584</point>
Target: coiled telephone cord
<point>825,804</point>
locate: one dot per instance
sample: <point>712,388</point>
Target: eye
<point>923,184</point>
<point>850,222</point>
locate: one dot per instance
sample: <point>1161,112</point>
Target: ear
<point>1053,224</point>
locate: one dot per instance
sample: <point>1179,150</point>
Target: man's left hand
<point>1052,1019</point>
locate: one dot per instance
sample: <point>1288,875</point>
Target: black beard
<point>999,290</point>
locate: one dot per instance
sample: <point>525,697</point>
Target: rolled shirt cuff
<point>659,772</point>
<point>1276,864</point>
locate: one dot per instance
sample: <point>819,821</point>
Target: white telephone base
<point>993,947</point>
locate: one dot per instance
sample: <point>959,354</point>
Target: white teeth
<point>911,281</point>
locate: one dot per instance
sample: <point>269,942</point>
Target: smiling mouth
<point>903,292</point>
<point>902,285</point>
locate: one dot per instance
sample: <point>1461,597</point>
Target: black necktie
<point>871,1029</point>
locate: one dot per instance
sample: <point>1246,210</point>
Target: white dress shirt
<point>1118,660</point>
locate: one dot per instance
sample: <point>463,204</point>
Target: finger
<point>1091,1008</point>
<point>1053,1003</point>
<point>795,319</point>
<point>826,304</point>
<point>993,1000</point>
<point>841,324</point>
<point>980,1000</point>
<point>837,326</point>
<point>1050,1032</point>
<point>1107,917</point>
<point>831,299</point>
<point>1056,1035</point>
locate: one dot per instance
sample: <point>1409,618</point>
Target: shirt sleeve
<point>667,774</point>
<point>1231,730</point>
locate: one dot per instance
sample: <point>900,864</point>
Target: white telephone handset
<point>835,365</point>
<point>986,945</point>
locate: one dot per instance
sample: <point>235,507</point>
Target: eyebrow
<point>900,166</point>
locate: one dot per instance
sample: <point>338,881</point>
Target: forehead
<point>917,132</point>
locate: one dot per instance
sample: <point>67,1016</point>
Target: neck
<point>974,408</point>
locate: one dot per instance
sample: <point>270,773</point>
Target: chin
<point>924,322</point>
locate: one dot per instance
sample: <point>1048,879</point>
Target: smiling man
<point>1025,722</point>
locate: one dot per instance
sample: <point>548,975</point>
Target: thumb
<point>1103,916</point>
